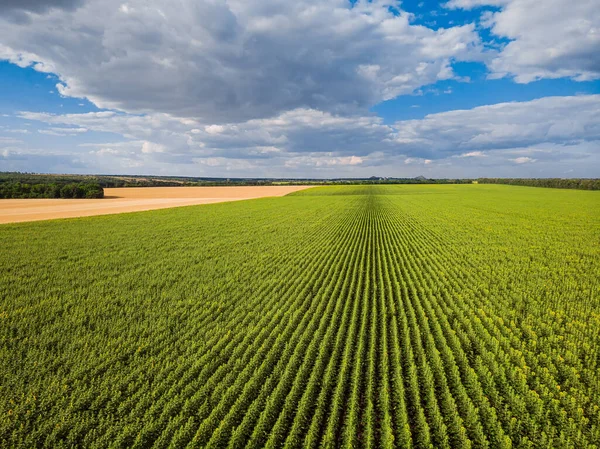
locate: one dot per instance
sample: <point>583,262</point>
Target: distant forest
<point>109,181</point>
<point>23,185</point>
<point>557,183</point>
<point>32,185</point>
<point>50,190</point>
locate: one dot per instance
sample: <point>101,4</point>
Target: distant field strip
<point>359,316</point>
<point>131,199</point>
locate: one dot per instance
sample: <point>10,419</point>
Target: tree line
<point>111,181</point>
<point>557,183</point>
<point>52,190</point>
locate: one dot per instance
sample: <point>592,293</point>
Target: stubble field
<point>132,199</point>
<point>360,316</point>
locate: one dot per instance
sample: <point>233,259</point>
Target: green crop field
<point>460,316</point>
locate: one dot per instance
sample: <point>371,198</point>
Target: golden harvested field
<point>132,199</point>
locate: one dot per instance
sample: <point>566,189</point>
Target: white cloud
<point>62,132</point>
<point>417,160</point>
<point>473,154</point>
<point>552,39</point>
<point>553,132</point>
<point>49,132</point>
<point>329,163</point>
<point>505,125</point>
<point>348,160</point>
<point>211,129</point>
<point>19,6</point>
<point>104,151</point>
<point>226,62</point>
<point>151,147</point>
<point>70,130</point>
<point>301,130</point>
<point>9,141</point>
<point>271,87</point>
<point>523,160</point>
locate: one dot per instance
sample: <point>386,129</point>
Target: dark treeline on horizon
<point>26,185</point>
<point>33,185</point>
<point>110,181</point>
<point>557,183</point>
<point>50,190</point>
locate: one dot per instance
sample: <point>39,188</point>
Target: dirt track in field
<point>131,199</point>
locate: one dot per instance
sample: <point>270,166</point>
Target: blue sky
<point>312,89</point>
<point>451,94</point>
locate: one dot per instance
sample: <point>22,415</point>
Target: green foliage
<point>360,316</point>
<point>557,183</point>
<point>52,190</point>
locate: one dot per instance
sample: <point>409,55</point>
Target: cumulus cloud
<point>62,132</point>
<point>349,160</point>
<point>37,6</point>
<point>233,61</point>
<point>523,160</point>
<point>561,120</point>
<point>546,134</point>
<point>473,154</point>
<point>296,131</point>
<point>285,87</point>
<point>151,147</point>
<point>553,39</point>
<point>23,11</point>
<point>323,162</point>
<point>417,160</point>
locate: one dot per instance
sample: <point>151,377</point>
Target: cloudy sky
<point>310,88</point>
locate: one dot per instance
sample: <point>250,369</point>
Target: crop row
<point>371,316</point>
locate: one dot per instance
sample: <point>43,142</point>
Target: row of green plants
<point>360,316</point>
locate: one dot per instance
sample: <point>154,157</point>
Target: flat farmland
<point>131,199</point>
<point>422,317</point>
